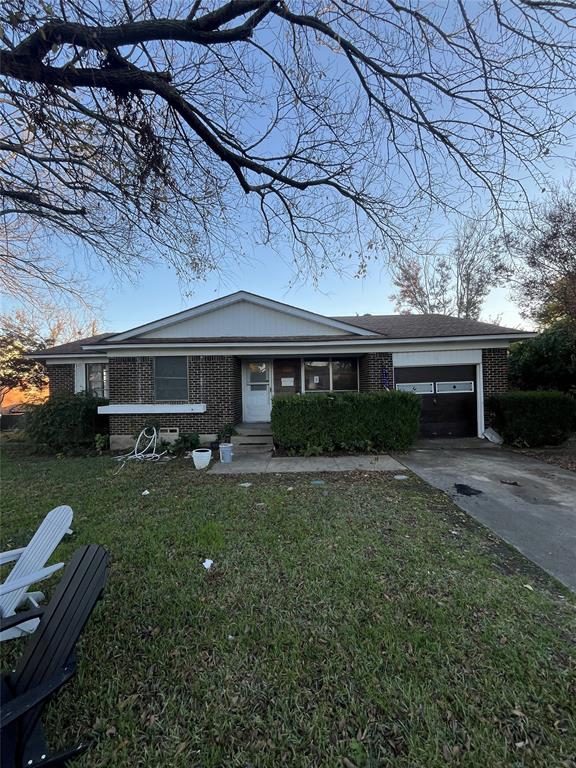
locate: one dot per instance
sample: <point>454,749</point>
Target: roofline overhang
<point>59,355</point>
<point>323,343</point>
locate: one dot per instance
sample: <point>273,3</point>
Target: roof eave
<point>336,342</point>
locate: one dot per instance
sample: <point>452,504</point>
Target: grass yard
<point>363,622</point>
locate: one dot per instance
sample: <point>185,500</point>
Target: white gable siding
<point>243,319</point>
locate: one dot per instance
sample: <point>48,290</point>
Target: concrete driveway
<point>530,504</point>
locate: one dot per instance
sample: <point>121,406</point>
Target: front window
<point>97,379</point>
<point>345,374</point>
<point>336,374</point>
<point>317,375</point>
<point>171,378</point>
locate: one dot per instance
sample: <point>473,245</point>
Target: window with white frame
<point>452,387</point>
<point>97,379</point>
<point>171,378</point>
<point>418,387</point>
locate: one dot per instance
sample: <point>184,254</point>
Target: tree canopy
<point>547,361</point>
<point>185,127</point>
<point>454,277</point>
<point>26,331</point>
<point>544,246</point>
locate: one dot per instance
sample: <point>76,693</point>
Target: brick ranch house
<point>222,362</point>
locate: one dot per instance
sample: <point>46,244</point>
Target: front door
<point>257,394</point>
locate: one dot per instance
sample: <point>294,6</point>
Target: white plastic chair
<point>30,568</point>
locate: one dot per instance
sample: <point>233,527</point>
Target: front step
<point>256,429</point>
<point>253,442</point>
<point>243,449</point>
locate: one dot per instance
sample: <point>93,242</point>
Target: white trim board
<point>132,408</point>
<point>437,357</point>
<point>300,348</point>
<point>96,358</point>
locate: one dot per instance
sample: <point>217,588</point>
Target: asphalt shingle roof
<point>425,326</point>
<point>385,326</point>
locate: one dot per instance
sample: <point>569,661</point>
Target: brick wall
<point>61,379</point>
<point>212,379</point>
<point>374,369</point>
<point>494,377</point>
<point>131,379</point>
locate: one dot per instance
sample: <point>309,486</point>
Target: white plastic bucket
<point>201,457</point>
<point>226,453</point>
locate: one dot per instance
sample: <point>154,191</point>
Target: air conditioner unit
<point>168,434</point>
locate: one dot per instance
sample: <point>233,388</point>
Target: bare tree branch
<point>138,129</point>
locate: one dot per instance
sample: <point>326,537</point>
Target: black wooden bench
<point>48,661</point>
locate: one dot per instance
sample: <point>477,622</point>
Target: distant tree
<point>455,281</point>
<point>544,247</point>
<point>547,361</point>
<point>185,128</point>
<point>16,370</point>
<point>22,332</point>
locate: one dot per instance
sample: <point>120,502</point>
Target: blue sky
<point>158,293</point>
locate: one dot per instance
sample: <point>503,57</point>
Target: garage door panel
<point>445,414</point>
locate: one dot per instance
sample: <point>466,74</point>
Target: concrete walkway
<point>530,504</point>
<point>263,463</point>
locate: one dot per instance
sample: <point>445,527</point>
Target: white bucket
<point>201,457</point>
<point>226,453</point>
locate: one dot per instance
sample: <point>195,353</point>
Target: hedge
<point>66,423</point>
<point>313,424</point>
<point>534,418</point>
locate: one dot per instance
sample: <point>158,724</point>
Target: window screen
<point>171,378</point>
<point>419,388</point>
<point>97,379</point>
<point>446,387</point>
<point>345,374</point>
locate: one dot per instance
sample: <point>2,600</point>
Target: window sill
<point>134,408</point>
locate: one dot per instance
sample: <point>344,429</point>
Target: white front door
<point>257,390</point>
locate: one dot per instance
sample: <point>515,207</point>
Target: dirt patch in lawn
<point>560,455</point>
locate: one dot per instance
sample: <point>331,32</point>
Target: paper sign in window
<point>288,381</point>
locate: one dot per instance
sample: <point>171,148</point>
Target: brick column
<point>376,369</point>
<point>494,377</point>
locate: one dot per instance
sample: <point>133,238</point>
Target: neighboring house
<point>222,362</point>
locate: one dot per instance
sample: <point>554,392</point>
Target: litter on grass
<point>143,451</point>
<point>400,477</point>
<point>146,493</point>
<point>244,485</point>
<point>530,587</point>
<point>208,563</point>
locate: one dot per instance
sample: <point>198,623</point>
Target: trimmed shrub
<point>545,362</point>
<point>66,424</point>
<point>313,424</point>
<point>534,418</point>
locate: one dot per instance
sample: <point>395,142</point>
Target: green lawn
<point>363,622</point>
